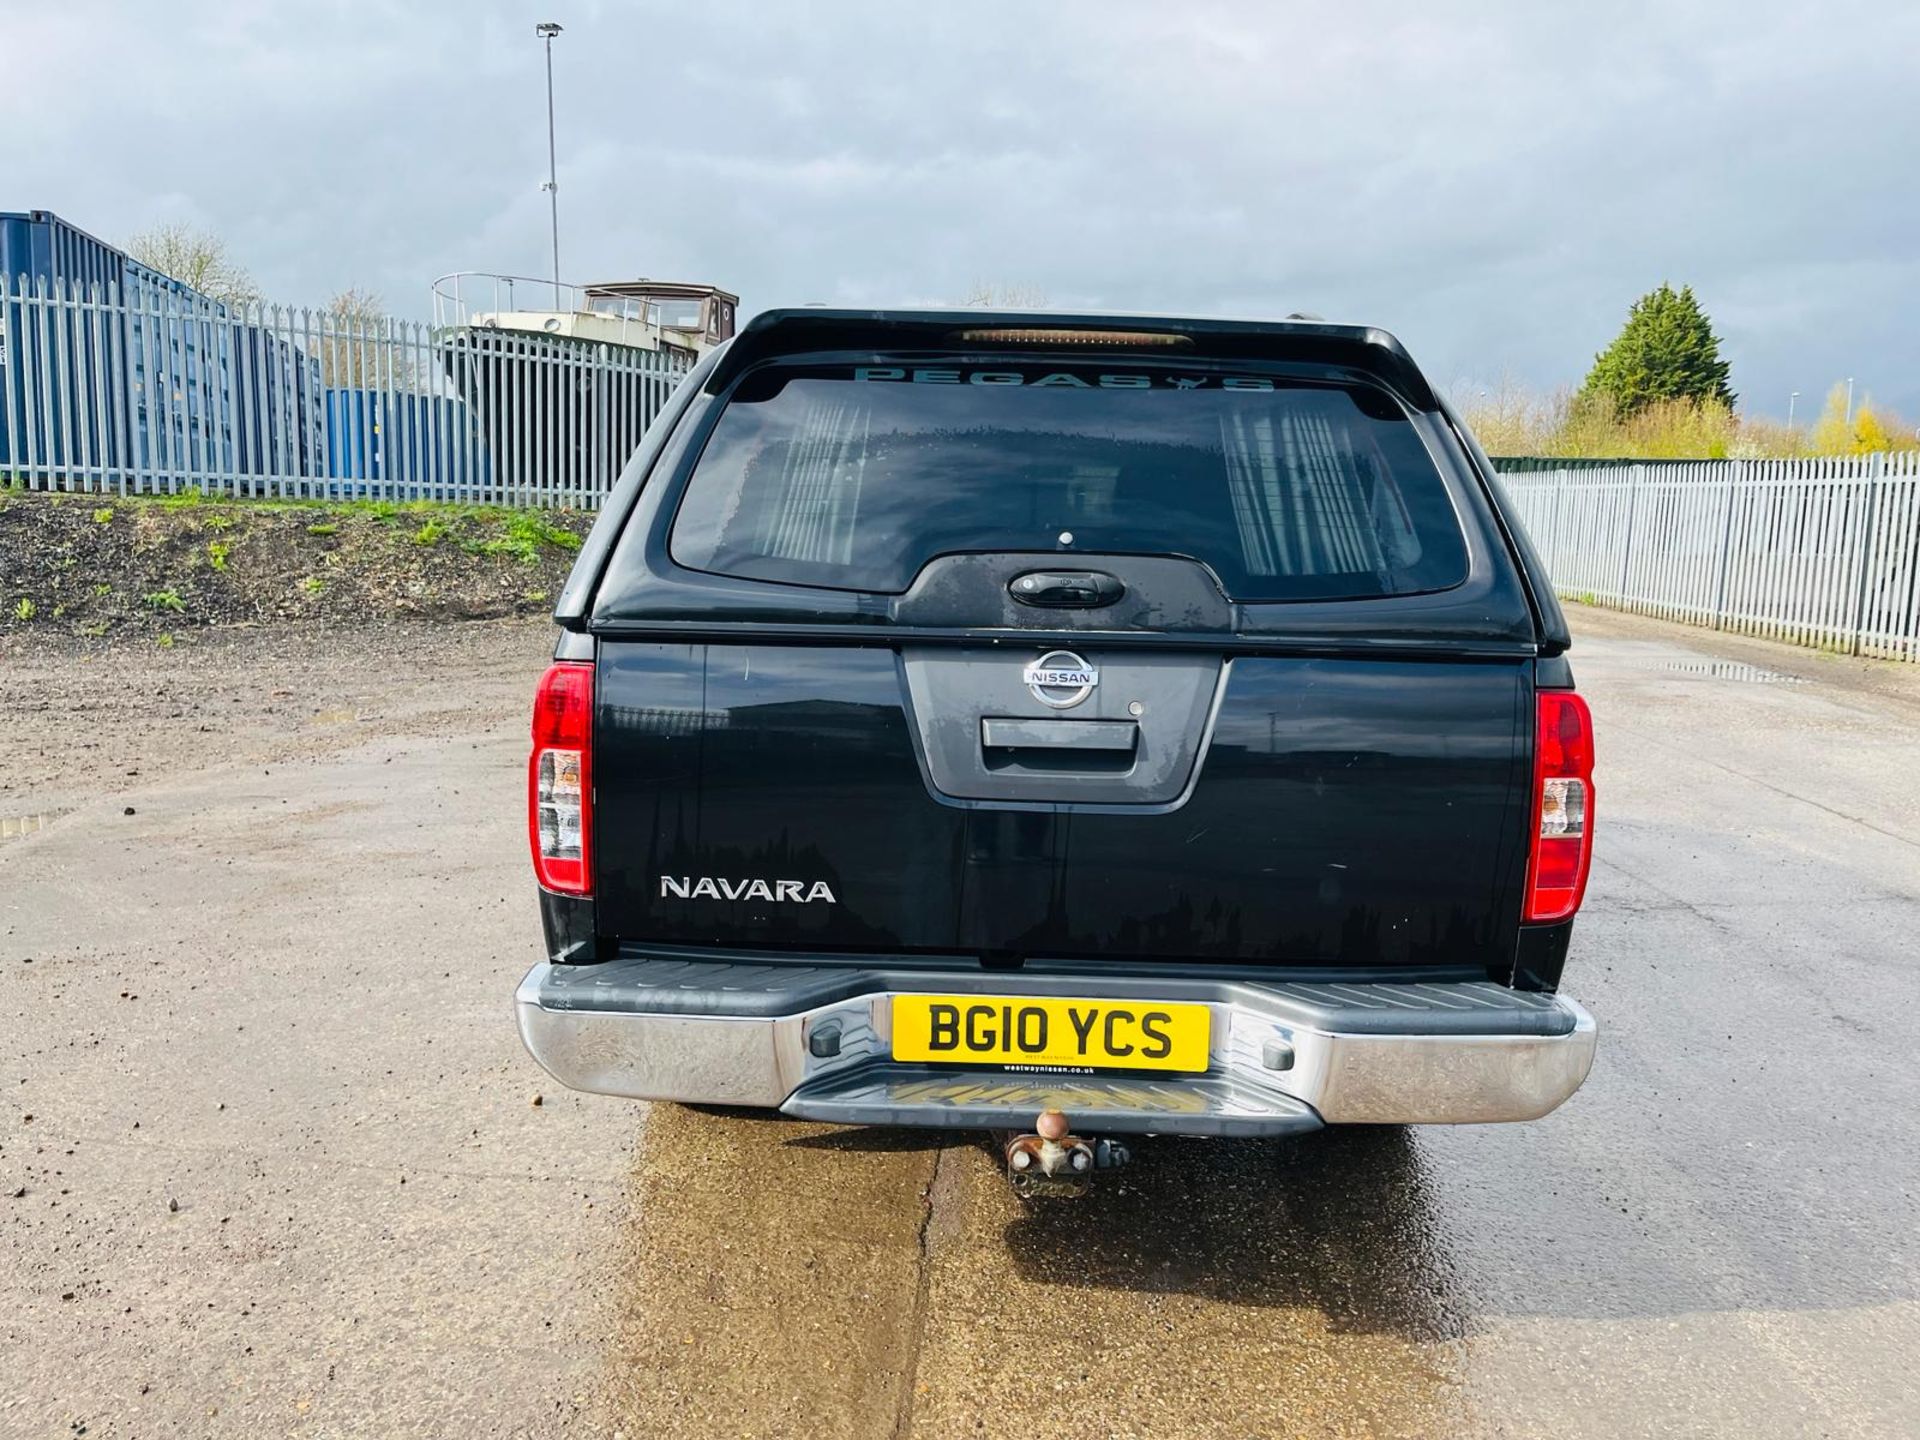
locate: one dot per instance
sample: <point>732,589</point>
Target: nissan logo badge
<point>1060,679</point>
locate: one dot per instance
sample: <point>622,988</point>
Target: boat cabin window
<point>680,314</point>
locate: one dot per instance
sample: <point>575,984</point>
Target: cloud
<point>1495,182</point>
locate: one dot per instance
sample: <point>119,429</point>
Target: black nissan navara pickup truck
<point>1084,725</point>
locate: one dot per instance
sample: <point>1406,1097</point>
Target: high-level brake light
<point>560,779</point>
<point>1092,339</point>
<point>1562,807</point>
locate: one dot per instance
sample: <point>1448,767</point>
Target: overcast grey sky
<point>1495,181</point>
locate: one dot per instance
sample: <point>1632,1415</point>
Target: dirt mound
<point>96,565</point>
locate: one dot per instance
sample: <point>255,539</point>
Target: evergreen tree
<point>1666,351</point>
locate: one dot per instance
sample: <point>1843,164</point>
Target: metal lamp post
<point>546,30</point>
<point>1792,400</point>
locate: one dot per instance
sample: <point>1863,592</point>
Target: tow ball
<point>1054,1164</point>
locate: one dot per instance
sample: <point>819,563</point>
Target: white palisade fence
<point>1817,552</point>
<point>153,390</point>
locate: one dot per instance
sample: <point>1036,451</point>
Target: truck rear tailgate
<point>1309,811</point>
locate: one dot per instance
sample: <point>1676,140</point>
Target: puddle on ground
<point>1733,670</point>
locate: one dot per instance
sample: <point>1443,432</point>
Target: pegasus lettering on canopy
<point>1036,379</point>
<point>706,887</point>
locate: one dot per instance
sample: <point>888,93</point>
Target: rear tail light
<point>560,779</point>
<point>1562,807</point>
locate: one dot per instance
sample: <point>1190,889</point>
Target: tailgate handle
<point>1067,589</point>
<point>1110,736</point>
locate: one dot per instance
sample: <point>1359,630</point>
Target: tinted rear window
<point>855,477</point>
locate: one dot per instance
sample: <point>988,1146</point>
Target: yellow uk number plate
<point>1031,1030</point>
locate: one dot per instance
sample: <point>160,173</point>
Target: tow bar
<point>1052,1164</point>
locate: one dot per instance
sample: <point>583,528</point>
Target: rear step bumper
<point>814,1041</point>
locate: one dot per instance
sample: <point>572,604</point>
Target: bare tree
<point>196,258</point>
<point>999,295</point>
<point>360,347</point>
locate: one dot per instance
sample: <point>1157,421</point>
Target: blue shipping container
<point>39,249</point>
<point>375,438</point>
<point>186,385</point>
<point>41,246</point>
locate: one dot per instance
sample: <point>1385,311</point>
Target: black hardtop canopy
<point>1361,348</point>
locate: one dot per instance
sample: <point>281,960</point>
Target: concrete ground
<point>275,995</point>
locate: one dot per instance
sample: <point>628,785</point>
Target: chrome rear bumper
<point>814,1041</point>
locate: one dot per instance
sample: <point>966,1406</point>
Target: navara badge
<point>1060,679</point>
